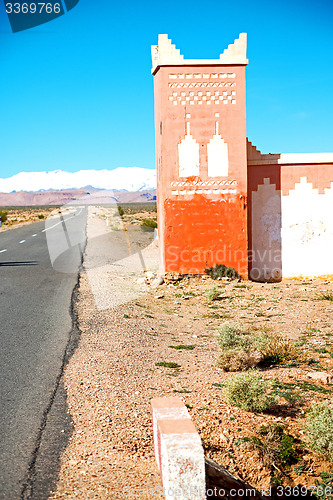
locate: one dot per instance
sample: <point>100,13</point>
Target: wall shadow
<point>265,222</point>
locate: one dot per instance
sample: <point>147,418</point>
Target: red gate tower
<point>200,121</point>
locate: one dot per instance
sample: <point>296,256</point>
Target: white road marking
<point>2,251</point>
<point>33,235</point>
<point>23,241</point>
<point>61,222</point>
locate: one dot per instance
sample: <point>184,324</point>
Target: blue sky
<point>77,93</point>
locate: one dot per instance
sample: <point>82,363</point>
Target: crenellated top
<point>166,54</point>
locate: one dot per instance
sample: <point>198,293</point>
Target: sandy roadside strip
<point>110,455</point>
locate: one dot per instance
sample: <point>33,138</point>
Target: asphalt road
<point>39,266</point>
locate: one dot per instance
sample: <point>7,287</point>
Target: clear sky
<point>77,92</point>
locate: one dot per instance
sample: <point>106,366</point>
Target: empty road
<point>39,265</point>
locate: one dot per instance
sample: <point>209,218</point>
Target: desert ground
<point>20,216</point>
<point>171,340</point>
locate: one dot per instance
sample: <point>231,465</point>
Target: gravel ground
<point>129,325</point>
<point>24,216</point>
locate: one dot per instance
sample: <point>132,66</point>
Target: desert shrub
<point>324,486</point>
<point>121,211</point>
<point>3,215</point>
<point>149,223</point>
<point>213,293</point>
<point>287,391</point>
<point>319,429</point>
<point>277,349</point>
<point>234,360</point>
<point>249,391</point>
<point>41,216</point>
<point>230,337</point>
<point>239,349</point>
<point>326,296</point>
<point>222,271</point>
<point>167,364</point>
<point>276,448</point>
<point>254,348</point>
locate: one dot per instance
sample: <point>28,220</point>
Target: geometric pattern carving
<point>203,191</point>
<point>193,85</point>
<point>203,97</point>
<point>209,183</point>
<point>220,91</point>
<point>199,76</point>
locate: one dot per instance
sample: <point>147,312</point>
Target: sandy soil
<point>21,217</point>
<point>113,374</point>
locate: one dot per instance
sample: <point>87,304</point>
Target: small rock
<point>224,438</point>
<point>141,281</point>
<point>150,275</point>
<point>160,296</point>
<point>157,281</point>
<point>324,377</point>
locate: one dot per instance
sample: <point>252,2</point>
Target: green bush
<point>3,215</point>
<point>222,271</point>
<point>277,449</point>
<point>213,293</point>
<point>149,223</point>
<point>41,216</point>
<point>326,296</point>
<point>239,349</point>
<point>319,429</point>
<point>121,211</point>
<point>167,364</point>
<point>249,391</point>
<point>231,336</point>
<point>242,350</point>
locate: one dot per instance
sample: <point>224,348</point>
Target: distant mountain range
<point>119,179</point>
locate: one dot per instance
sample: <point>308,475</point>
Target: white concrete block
<point>178,450</point>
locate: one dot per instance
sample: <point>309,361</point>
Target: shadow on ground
<point>18,263</point>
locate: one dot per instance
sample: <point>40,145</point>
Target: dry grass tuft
<point>243,350</point>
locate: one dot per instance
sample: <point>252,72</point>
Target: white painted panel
<point>188,153</point>
<point>217,151</point>
<point>307,231</point>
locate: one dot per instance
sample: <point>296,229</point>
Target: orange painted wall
<point>197,230</point>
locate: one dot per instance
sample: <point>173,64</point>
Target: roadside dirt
<point>21,217</point>
<point>113,375</point>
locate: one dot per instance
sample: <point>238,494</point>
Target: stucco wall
<point>307,231</point>
<point>200,123</point>
<point>291,216</point>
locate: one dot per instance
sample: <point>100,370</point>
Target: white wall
<point>307,231</point>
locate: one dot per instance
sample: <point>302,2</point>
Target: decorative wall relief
<point>217,151</point>
<point>188,154</point>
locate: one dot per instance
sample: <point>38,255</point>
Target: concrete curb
<point>178,450</point>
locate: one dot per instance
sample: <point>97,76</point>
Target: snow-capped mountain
<point>122,178</point>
